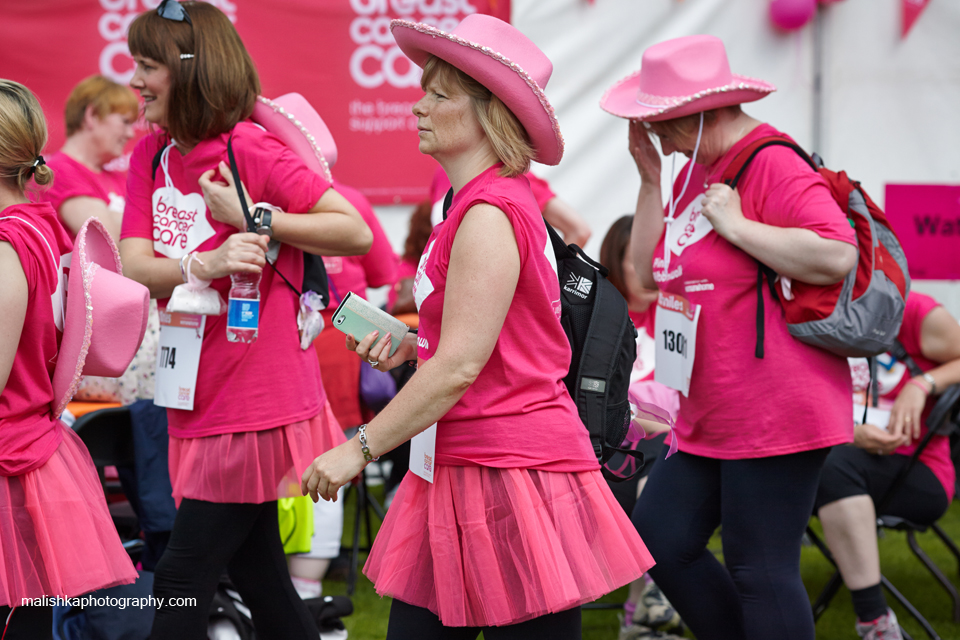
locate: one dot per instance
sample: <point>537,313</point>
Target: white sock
<point>307,588</point>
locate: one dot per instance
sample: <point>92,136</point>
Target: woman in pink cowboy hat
<point>506,524</point>
<point>753,433</point>
<point>56,535</point>
<point>244,419</point>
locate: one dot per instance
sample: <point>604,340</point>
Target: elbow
<point>840,264</point>
<point>363,240</point>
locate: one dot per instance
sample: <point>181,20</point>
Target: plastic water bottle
<point>243,310</point>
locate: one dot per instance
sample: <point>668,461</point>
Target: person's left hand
<point>721,206</point>
<point>221,199</point>
<point>906,411</point>
<point>335,468</point>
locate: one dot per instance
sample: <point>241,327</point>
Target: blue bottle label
<point>243,313</point>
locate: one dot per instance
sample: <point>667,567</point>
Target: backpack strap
<point>731,177</point>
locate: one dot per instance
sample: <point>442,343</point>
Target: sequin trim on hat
<point>88,273</point>
<point>663,104</point>
<point>306,134</point>
<point>487,51</point>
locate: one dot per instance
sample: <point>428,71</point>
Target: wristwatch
<point>933,383</point>
<point>262,217</point>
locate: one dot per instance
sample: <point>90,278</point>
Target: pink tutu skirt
<point>489,547</point>
<point>251,466</point>
<point>56,534</point>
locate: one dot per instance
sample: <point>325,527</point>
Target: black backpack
<point>603,342</point>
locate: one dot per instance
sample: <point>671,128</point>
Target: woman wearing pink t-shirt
<point>56,535</point>
<point>506,524</point>
<point>258,410</point>
<point>753,432</point>
<point>856,479</point>
<point>99,116</point>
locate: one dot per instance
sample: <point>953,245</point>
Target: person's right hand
<point>240,253</point>
<point>875,440</point>
<point>644,153</point>
<point>377,353</point>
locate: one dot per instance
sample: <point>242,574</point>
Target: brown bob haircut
<point>210,92</point>
<point>104,95</point>
<point>612,251</point>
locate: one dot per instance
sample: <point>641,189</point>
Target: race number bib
<point>423,453</point>
<point>178,359</point>
<point>676,340</point>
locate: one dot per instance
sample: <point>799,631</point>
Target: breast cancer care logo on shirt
<point>180,222</point>
<point>422,286</point>
<point>688,228</point>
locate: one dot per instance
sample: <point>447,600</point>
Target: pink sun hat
<point>106,315</point>
<point>680,77</point>
<point>294,120</point>
<point>498,56</point>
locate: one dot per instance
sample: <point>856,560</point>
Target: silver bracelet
<point>931,382</point>
<point>183,274</point>
<point>362,436</point>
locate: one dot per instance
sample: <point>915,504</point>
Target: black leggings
<point>762,506</point>
<point>850,471</point>
<point>244,539</point>
<point>408,622</point>
<point>27,623</point>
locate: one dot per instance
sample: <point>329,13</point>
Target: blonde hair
<point>23,134</point>
<point>211,91</point>
<point>106,97</point>
<point>684,128</point>
<point>507,136</point>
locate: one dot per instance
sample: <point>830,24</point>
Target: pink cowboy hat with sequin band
<point>294,120</point>
<point>680,77</point>
<point>106,315</point>
<point>498,56</point>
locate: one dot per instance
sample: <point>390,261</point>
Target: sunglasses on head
<point>173,10</point>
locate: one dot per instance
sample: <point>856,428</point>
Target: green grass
<point>369,621</point>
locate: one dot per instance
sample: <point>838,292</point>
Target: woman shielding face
<point>446,123</point>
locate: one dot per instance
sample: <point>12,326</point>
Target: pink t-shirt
<point>356,273</point>
<point>441,185</point>
<point>518,412</point>
<point>240,387</point>
<point>29,432</point>
<point>795,399</point>
<point>73,180</point>
<point>892,377</point>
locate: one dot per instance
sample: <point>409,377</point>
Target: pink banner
<point>338,53</point>
<point>926,218</point>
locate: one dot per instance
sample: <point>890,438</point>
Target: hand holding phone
<point>357,317</point>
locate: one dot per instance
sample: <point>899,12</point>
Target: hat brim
<point>294,120</point>
<point>96,273</point>
<point>621,99</point>
<point>503,77</point>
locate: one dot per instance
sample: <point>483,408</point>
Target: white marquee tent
<point>886,111</point>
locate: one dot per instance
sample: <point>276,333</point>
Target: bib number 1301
<point>676,326</point>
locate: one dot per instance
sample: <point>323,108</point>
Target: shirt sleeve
<point>66,184</point>
<point>541,190</point>
<point>273,173</point>
<point>138,207</point>
<point>918,307</point>
<point>380,263</point>
<point>786,192</point>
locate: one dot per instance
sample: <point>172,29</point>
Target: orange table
<point>82,408</point>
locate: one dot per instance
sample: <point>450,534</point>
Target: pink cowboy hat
<point>294,120</point>
<point>679,77</point>
<point>106,315</point>
<point>498,56</point>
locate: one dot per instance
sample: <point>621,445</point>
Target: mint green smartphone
<point>357,317</point>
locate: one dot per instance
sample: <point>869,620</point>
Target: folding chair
<point>108,436</point>
<point>943,420</point>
